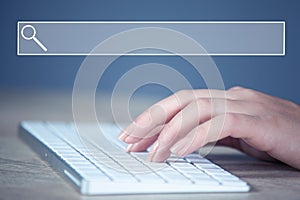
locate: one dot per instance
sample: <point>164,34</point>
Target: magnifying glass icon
<point>32,37</point>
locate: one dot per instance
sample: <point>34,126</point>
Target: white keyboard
<point>95,162</point>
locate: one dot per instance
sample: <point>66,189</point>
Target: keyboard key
<point>140,155</point>
<point>182,166</point>
<point>226,177</point>
<point>176,159</point>
<point>149,178</point>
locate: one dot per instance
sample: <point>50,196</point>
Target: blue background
<point>275,75</point>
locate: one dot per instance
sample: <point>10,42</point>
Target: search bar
<point>218,38</point>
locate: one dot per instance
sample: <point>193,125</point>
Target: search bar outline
<point>280,52</point>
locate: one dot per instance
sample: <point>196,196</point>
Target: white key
<point>197,173</point>
<point>182,166</point>
<point>140,155</point>
<point>149,178</point>
<point>226,177</point>
<point>177,179</point>
<point>176,159</point>
<point>122,177</point>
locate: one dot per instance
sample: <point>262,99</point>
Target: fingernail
<point>152,152</point>
<point>155,147</point>
<point>122,136</point>
<point>129,147</point>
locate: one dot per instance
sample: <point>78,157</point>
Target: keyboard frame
<point>98,187</point>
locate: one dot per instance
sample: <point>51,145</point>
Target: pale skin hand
<point>260,125</point>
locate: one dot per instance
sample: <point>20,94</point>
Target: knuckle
<point>236,88</point>
<point>249,92</point>
<point>182,93</point>
<point>202,105</point>
<point>198,105</point>
<point>202,102</point>
<point>245,93</point>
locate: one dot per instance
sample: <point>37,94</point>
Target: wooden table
<point>23,175</point>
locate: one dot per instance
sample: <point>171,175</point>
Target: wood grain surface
<point>23,175</point>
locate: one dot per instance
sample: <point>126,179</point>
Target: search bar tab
<point>218,38</point>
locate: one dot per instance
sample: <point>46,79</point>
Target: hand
<point>262,126</point>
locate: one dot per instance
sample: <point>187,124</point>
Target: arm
<point>262,126</point>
